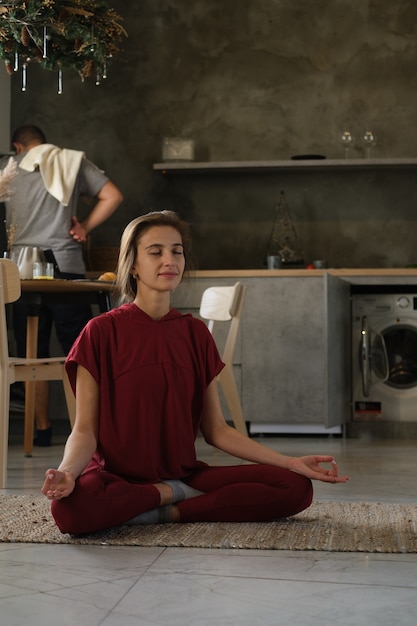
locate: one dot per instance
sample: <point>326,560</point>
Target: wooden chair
<point>15,369</point>
<point>225,304</point>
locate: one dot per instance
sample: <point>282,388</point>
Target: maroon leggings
<point>243,493</point>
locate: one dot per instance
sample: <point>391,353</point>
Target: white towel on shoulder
<point>59,168</point>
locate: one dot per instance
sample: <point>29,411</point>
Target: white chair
<point>220,304</point>
<point>29,370</point>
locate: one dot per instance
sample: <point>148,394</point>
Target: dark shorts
<point>69,321</point>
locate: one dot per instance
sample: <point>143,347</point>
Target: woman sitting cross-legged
<point>144,376</point>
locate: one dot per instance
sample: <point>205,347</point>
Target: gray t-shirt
<point>36,218</point>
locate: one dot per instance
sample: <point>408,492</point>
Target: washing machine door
<point>401,344</point>
<point>373,357</point>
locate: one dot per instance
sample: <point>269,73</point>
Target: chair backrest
<point>9,292</point>
<point>9,280</point>
<point>221,304</point>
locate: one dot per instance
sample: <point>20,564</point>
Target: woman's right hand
<point>57,484</point>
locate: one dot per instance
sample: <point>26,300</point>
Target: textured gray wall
<point>4,112</point>
<point>252,80</point>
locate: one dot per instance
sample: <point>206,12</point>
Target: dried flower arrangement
<point>6,178</point>
<point>78,34</point>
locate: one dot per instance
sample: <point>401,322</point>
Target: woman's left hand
<point>310,466</point>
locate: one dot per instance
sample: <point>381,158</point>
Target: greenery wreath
<point>78,34</point>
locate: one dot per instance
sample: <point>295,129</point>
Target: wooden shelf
<point>294,165</point>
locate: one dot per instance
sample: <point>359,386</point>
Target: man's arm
<point>108,199</point>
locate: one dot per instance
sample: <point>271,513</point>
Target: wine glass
<point>347,142</point>
<point>369,140</point>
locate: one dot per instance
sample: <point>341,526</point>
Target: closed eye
<point>156,251</point>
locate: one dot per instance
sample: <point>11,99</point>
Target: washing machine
<point>384,356</point>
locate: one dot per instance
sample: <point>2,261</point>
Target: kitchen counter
<point>388,275</point>
<point>295,340</point>
<point>388,271</point>
<point>286,313</point>
<point>294,346</point>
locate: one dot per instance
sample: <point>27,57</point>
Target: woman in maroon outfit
<point>144,376</point>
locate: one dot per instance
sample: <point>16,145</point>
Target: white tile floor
<point>123,586</point>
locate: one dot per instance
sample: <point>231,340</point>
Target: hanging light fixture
<point>82,35</point>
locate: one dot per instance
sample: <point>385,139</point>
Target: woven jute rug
<point>329,526</point>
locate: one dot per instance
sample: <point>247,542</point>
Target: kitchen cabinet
<point>292,363</point>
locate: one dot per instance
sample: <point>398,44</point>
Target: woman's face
<point>160,260</point>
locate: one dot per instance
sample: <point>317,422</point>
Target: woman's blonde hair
<point>126,282</point>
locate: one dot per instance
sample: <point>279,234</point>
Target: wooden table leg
<point>30,386</point>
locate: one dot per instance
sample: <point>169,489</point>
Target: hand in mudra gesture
<point>57,484</point>
<point>310,466</point>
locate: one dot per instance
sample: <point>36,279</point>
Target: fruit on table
<point>108,277</point>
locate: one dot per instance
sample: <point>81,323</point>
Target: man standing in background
<point>42,211</point>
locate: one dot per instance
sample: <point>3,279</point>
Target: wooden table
<point>36,293</point>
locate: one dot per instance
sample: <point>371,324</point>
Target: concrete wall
<point>4,112</point>
<point>252,80</point>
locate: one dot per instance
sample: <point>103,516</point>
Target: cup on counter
<point>43,270</point>
<point>273,262</point>
<point>320,264</point>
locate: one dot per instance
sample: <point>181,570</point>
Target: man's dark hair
<point>26,135</point>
